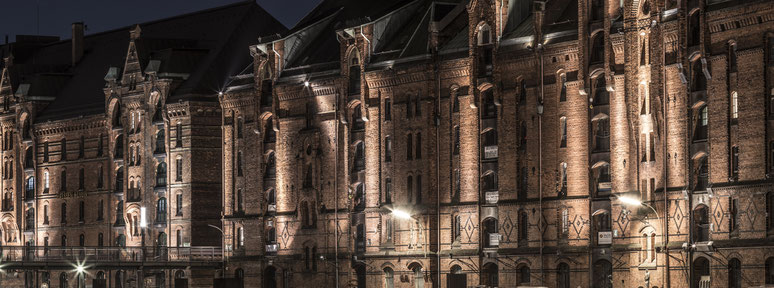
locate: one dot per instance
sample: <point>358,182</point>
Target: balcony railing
<point>31,254</point>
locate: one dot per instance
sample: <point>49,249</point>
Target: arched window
<point>240,238</point>
<point>179,238</point>
<point>119,150</point>
<point>734,273</point>
<point>523,233</point>
<point>701,273</point>
<point>419,277</point>
<point>524,275</point>
<point>485,50</point>
<point>354,73</point>
<point>563,275</point>
<point>120,180</point>
<point>602,270</point>
<point>563,87</point>
<point>239,164</point>
<point>597,53</point>
<point>601,134</point>
<point>119,279</point>
<point>63,280</point>
<point>46,181</point>
<point>694,29</point>
<point>490,275</point>
<point>389,282</point>
<point>601,96</point>
<point>562,179</point>
<point>387,149</point>
<point>179,169</point>
<point>239,274</point>
<point>63,181</point>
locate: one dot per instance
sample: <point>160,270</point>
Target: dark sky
<point>20,16</point>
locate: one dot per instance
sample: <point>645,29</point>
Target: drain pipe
<point>436,122</point>
<point>336,190</point>
<point>667,282</point>
<point>540,158</point>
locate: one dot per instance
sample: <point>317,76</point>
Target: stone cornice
<point>70,125</point>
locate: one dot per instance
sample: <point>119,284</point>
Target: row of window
<point>63,149</point>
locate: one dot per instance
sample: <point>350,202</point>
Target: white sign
<point>494,239</point>
<point>605,237</point>
<point>490,152</point>
<point>492,197</point>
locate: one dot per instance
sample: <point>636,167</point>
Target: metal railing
<point>111,254</point>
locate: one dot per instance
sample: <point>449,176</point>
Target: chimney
<point>77,42</point>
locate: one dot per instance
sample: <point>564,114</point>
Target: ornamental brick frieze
<point>47,129</point>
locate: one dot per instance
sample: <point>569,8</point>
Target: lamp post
<point>143,225</point>
<point>222,248</point>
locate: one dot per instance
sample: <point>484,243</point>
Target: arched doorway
<point>119,279</point>
<point>270,277</point>
<point>701,273</point>
<point>180,280</point>
<point>99,281</point>
<point>457,279</point>
<point>490,275</point>
<point>603,274</point>
<point>360,270</point>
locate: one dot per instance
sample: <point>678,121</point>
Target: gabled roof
<point>560,16</point>
<point>206,47</point>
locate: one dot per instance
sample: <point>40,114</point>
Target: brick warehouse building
<point>102,128</point>
<point>405,144</point>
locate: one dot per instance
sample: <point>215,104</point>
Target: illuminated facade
<point>105,138</point>
<point>436,111</point>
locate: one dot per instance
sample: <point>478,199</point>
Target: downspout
<point>436,121</point>
<point>665,234</point>
<point>499,29</point>
<point>366,39</point>
<point>540,158</point>
<point>336,189</point>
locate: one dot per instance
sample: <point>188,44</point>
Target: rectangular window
<point>100,178</point>
<point>387,191</point>
<point>239,163</point>
<point>45,214</point>
<point>733,215</point>
<point>456,196</point>
<point>409,146</point>
<point>81,179</point>
<point>456,140</point>
<point>387,109</point>
<point>81,211</point>
<point>100,210</point>
<point>418,107</point>
<point>735,162</point>
<point>419,189</point>
<point>418,154</point>
<point>563,123</point>
<point>388,149</point>
<point>81,148</point>
<point>408,108</point>
<point>734,105</point>
<point>179,135</point>
<point>179,170</point>
<point>99,146</point>
<point>64,150</point>
<point>45,152</point>
<point>179,205</point>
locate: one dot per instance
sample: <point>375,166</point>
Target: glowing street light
<point>80,269</point>
<point>636,202</point>
<point>401,214</point>
<point>630,201</point>
<point>143,220</point>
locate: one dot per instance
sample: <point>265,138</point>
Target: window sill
<point>649,265</point>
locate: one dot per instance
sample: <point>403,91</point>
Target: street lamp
<point>222,248</point>
<point>635,202</point>
<point>400,214</point>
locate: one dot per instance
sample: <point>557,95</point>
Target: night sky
<point>55,16</point>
